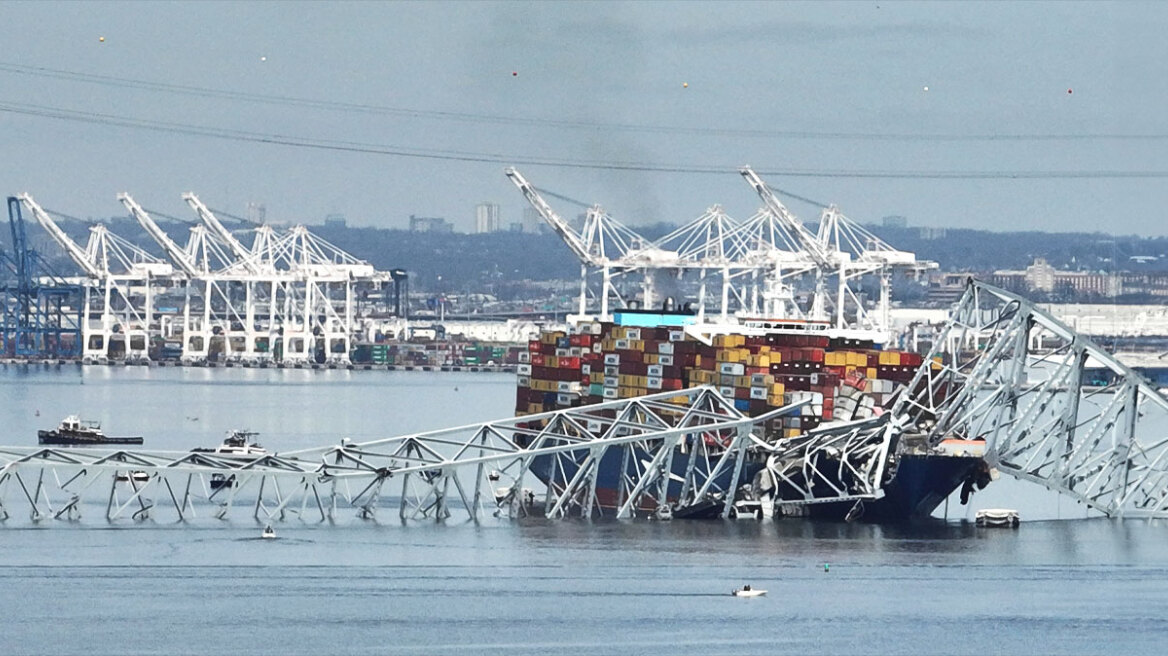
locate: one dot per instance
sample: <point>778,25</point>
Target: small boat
<point>222,480</point>
<point>998,518</point>
<point>73,431</point>
<point>135,476</point>
<point>747,591</point>
<point>237,445</point>
<point>269,533</point>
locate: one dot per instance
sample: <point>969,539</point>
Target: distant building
<point>930,234</point>
<point>335,221</point>
<point>946,288</point>
<point>895,221</point>
<point>256,213</point>
<point>429,224</point>
<point>486,218</point>
<point>515,227</point>
<point>1150,284</point>
<point>1042,277</point>
<point>532,221</point>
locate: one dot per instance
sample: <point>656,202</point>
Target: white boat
<point>135,476</point>
<point>269,533</point>
<point>998,517</point>
<point>237,445</point>
<point>747,591</point>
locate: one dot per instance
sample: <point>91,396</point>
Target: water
<point>532,587</point>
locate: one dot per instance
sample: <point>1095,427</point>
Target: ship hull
<point>60,438</point>
<point>921,483</point>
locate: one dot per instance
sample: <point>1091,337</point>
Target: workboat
<point>747,591</point>
<point>238,444</point>
<point>222,480</point>
<point>841,376</point>
<point>73,431</point>
<point>131,476</point>
<point>998,518</point>
<point>269,533</point>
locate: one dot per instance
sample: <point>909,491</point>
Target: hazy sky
<point>790,87</point>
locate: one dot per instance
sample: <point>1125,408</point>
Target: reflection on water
<point>530,586</point>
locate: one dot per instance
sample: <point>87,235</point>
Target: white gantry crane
<point>288,297</point>
<point>760,262</point>
<point>846,252</point>
<point>120,280</point>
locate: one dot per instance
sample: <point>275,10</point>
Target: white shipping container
<point>727,392</point>
<point>622,343</point>
<point>524,369</point>
<point>612,381</point>
<point>653,383</point>
<point>666,360</point>
<point>562,353</point>
<point>665,348</point>
<point>676,336</point>
<point>611,358</point>
<point>632,333</point>
<point>732,368</point>
<point>523,381</point>
<point>610,393</point>
<point>758,393</point>
<point>524,356</point>
<point>653,370</point>
<point>586,369</point>
<point>611,370</point>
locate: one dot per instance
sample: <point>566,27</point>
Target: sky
<point>999,116</point>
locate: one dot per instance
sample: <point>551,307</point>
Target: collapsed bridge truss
<point>427,475</point>
<point>1015,376</point>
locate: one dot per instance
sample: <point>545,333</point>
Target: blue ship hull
<point>920,484</point>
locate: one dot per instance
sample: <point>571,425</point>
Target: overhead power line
<point>517,159</point>
<point>531,121</point>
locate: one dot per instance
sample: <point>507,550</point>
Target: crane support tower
<point>42,313</point>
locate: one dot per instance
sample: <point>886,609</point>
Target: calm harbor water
<point>1083,586</point>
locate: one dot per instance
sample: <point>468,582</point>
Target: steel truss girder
<point>440,471</point>
<point>1105,447</point>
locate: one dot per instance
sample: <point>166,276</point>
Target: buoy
<point>826,567</point>
<point>101,39</point>
<point>685,85</point>
<point>263,59</point>
<point>514,73</point>
<point>1070,90</point>
<point>926,88</point>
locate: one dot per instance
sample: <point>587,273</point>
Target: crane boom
<point>220,232</point>
<point>549,215</point>
<point>808,241</point>
<point>75,252</point>
<point>173,250</point>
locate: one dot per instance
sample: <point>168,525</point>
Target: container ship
<point>761,365</point>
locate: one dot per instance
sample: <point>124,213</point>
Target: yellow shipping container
<point>742,381</point>
<point>652,358</point>
<point>792,432</point>
<point>871,372</point>
<point>778,389</point>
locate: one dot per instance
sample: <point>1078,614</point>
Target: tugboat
<point>237,445</point>
<point>76,432</point>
